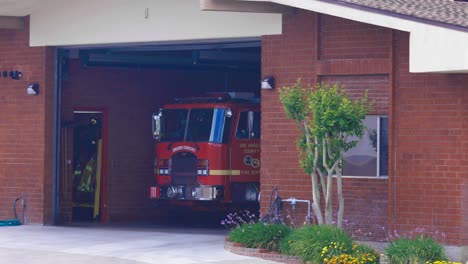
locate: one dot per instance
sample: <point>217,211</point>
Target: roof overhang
<point>10,22</point>
<point>433,47</point>
<point>17,8</point>
<point>237,6</point>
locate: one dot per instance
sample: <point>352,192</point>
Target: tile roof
<point>440,11</point>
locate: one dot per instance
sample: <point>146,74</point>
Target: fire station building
<point>64,64</point>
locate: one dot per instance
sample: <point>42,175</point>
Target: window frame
<point>378,165</point>
<point>238,121</point>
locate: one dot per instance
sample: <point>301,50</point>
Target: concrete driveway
<point>117,245</point>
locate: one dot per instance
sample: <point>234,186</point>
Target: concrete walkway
<point>116,245</point>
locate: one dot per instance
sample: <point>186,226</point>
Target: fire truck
<point>207,152</point>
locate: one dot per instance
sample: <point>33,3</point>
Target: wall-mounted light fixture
<point>268,83</point>
<point>33,89</point>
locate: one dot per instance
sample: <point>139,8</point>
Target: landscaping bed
<point>238,248</point>
<point>324,244</point>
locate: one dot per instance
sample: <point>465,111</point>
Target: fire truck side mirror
<point>157,125</point>
<point>228,113</point>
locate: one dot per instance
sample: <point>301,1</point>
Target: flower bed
<point>238,248</point>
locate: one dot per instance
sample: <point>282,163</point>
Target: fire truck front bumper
<point>181,192</point>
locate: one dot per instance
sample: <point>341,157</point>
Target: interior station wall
<point>130,96</point>
<point>26,123</point>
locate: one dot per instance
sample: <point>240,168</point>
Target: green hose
<point>12,222</point>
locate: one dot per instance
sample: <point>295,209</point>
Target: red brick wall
<point>429,129</point>
<point>430,149</point>
<point>130,96</point>
<point>465,211</point>
<point>25,128</point>
<point>311,48</point>
<point>377,87</point>
<point>345,39</point>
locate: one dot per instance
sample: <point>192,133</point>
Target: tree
<point>328,120</point>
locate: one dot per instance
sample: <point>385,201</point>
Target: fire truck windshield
<point>204,125</point>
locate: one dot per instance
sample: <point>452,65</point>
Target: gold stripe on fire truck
<point>224,172</point>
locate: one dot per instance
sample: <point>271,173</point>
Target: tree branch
<point>315,188</point>
<point>324,154</point>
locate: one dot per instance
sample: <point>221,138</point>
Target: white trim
<point>87,112</point>
<point>365,177</point>
<point>110,22</point>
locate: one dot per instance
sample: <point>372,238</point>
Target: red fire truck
<point>207,152</point>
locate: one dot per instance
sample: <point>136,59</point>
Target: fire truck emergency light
<point>268,83</point>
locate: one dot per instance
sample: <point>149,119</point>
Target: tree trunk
<point>339,186</point>
<point>328,200</point>
<point>315,186</point>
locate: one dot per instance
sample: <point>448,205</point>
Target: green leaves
<point>335,114</point>
<point>260,235</point>
<point>295,101</point>
<point>421,249</point>
<point>308,242</point>
<point>330,114</point>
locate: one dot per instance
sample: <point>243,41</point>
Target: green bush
<point>417,250</point>
<point>338,253</point>
<point>259,235</point>
<point>308,242</point>
<point>365,254</point>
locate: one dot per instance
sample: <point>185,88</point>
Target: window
<point>199,125</point>
<point>242,131</point>
<point>173,124</point>
<point>204,125</point>
<point>370,156</point>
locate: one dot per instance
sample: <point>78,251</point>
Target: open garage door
<point>120,87</point>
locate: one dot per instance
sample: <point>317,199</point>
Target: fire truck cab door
<point>245,156</point>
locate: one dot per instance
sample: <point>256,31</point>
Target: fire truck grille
<point>184,169</point>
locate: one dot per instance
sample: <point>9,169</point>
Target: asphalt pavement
<point>31,244</point>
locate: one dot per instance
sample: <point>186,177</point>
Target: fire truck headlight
<point>171,192</point>
<point>195,193</point>
<point>174,192</point>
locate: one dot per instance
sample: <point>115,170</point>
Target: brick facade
<point>26,128</point>
<point>310,49</point>
<point>425,186</point>
<point>429,184</point>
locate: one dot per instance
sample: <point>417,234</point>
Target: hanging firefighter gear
<point>88,176</point>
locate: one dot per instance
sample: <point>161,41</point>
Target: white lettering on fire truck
<point>183,148</point>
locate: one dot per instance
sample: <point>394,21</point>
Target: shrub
<point>259,235</point>
<point>420,249</point>
<point>365,254</point>
<point>336,253</point>
<point>308,242</point>
<point>443,262</point>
